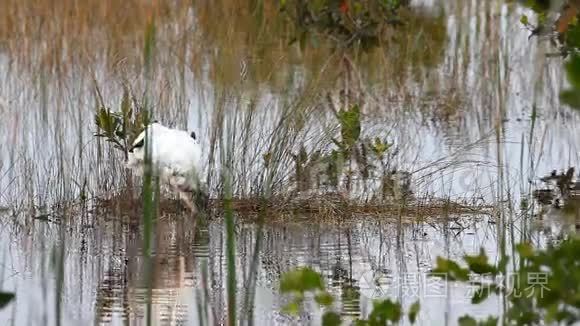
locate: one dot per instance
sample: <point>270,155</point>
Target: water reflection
<point>360,259</point>
<point>121,293</point>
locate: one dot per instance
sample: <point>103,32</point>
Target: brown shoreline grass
<point>317,209</point>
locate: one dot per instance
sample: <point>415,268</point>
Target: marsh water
<point>468,101</point>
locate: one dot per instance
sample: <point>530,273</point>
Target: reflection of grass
<point>565,38</point>
<point>262,38</point>
<point>63,32</point>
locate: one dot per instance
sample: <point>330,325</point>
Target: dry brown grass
<point>60,35</point>
<point>324,208</point>
<point>318,209</point>
<point>52,33</point>
<point>262,37</point>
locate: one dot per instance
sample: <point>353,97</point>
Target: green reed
<point>150,183</point>
<point>226,152</point>
<point>230,257</point>
<point>148,216</point>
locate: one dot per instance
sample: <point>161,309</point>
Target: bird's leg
<point>185,197</point>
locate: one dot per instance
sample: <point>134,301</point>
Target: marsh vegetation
<point>364,161</point>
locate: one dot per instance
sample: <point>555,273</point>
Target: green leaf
<point>479,265</point>
<point>481,294</point>
<point>331,319</point>
<point>501,266</point>
<point>384,311</point>
<point>571,97</point>
<point>301,280</point>
<point>450,270</point>
<point>121,127</point>
<point>467,321</point>
<point>350,126</point>
<point>573,71</point>
<point>525,250</point>
<point>524,20</point>
<point>293,308</point>
<point>573,35</point>
<point>413,311</point>
<point>379,147</point>
<point>5,298</point>
<point>490,321</point>
<point>324,299</point>
<point>102,119</point>
<point>312,280</point>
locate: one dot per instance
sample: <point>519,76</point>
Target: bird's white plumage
<point>175,154</point>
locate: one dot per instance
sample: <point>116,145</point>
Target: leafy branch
<point>121,127</point>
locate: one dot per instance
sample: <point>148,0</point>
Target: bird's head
<point>138,143</point>
<point>137,147</point>
<point>136,154</point>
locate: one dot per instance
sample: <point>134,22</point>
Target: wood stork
<point>176,160</point>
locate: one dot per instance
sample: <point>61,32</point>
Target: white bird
<point>175,157</point>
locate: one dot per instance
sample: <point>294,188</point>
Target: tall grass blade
<point>230,255</point>
<point>148,216</point>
